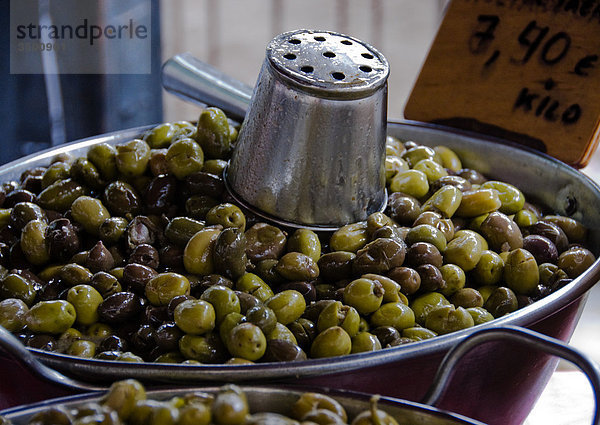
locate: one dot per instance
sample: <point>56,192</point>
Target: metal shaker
<point>311,149</point>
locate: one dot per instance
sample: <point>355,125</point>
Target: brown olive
<point>161,194</point>
<point>99,258</point>
<point>62,240</point>
<point>379,256</point>
<point>501,232</point>
<point>431,278</point>
<point>402,208</point>
<point>423,253</point>
<point>408,279</point>
<point>550,230</point>
<point>146,255</point>
<point>120,307</point>
<point>542,248</point>
<point>264,241</point>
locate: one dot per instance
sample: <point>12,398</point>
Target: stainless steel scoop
<point>311,148</point>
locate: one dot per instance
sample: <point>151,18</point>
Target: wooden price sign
<point>523,70</point>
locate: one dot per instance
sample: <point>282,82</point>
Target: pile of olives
<point>126,403</point>
<point>136,252</point>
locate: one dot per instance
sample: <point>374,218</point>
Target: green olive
<point>446,319</point>
<point>306,242</point>
<point>132,158</point>
<point>195,317</point>
<point>13,313</point>
<point>575,231</point>
<point>478,201</point>
<point>163,287</point>
<point>288,305</point>
<point>465,250</point>
<point>448,158</point>
<point>297,267</point>
<point>366,295</point>
<point>90,213</point>
<point>480,315</point>
<point>396,314</point>
<point>181,229</point>
<point>415,154</point>
<point>33,242</point>
<point>350,237</point>
<point>393,166</point>
<point>431,169</point>
<point>55,172</point>
<point>391,288</point>
<point>501,301</point>
<point>425,303</point>
<point>60,195</point>
<point>86,172</point>
<point>338,314</point>
<point>86,300</point>
<point>223,300</point>
<point>521,272</point>
<point>122,397</point>
<point>489,270</point>
<point>410,182</point>
<point>227,215</point>
<point>446,200</point>
<point>230,406</point>
<point>418,333</point>
<point>512,199</point>
<point>282,333</point>
<point>427,233</point>
<point>184,157</point>
<point>104,158</point>
<point>51,317</point>
<point>332,342</point>
<point>198,252</point>
<point>82,348</point>
<point>247,341</point>
<point>254,285</point>
<point>454,277</point>
<point>213,133</point>
<point>161,135</point>
<point>206,348</point>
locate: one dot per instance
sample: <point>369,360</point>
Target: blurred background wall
<point>40,111</point>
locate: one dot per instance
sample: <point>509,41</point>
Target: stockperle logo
<point>80,36</point>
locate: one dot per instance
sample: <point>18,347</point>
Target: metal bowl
<point>279,399</point>
<point>517,375</point>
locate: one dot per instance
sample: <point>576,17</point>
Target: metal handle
<point>11,345</point>
<point>513,333</point>
<point>198,82</point>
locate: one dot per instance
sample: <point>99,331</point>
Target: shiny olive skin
<point>395,314</point>
<point>51,317</point>
<point>223,300</point>
<point>489,270</point>
<point>13,312</point>
<point>465,250</point>
<point>162,288</point>
<point>331,342</point>
<point>227,215</point>
<point>366,295</point>
<point>403,208</point>
<point>33,242</point>
<point>62,240</point>
<point>184,157</point>
<point>408,279</point>
<point>336,265</point>
<point>60,195</point>
<point>423,253</point>
<point>511,198</point>
<point>24,212</point>
<point>338,314</point>
<point>477,202</point>
<point>447,319</point>
<point>198,252</point>
<point>86,300</point>
<point>104,158</point>
<point>195,317</point>
<point>574,261</point>
<point>501,232</point>
<point>542,248</point>
<point>230,406</point>
<point>379,256</point>
<point>425,303</point>
<point>575,231</point>
<point>247,341</point>
<point>521,272</point>
<point>230,257</point>
<point>264,241</point>
<point>445,200</point>
<point>501,301</point>
<point>551,231</point>
<point>119,307</point>
<point>297,266</point>
<point>306,242</point>
<point>411,182</point>
<point>254,285</point>
<point>350,237</point>
<point>132,158</point>
<point>90,213</point>
<point>213,133</point>
<point>287,305</point>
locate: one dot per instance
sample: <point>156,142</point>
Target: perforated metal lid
<point>334,64</point>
